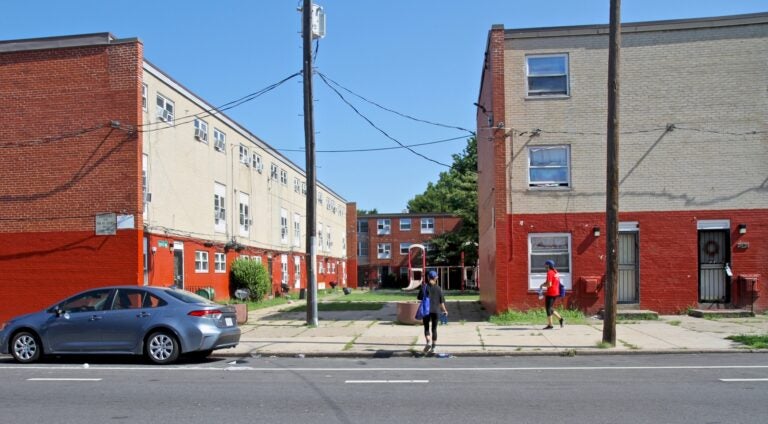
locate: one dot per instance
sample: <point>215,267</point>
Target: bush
<point>251,275</point>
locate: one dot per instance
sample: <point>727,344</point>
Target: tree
<point>455,192</point>
<point>365,212</point>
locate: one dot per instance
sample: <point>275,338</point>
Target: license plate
<point>228,322</point>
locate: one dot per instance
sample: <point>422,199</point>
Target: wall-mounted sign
<point>742,245</point>
<point>162,243</point>
<point>125,222</point>
<point>106,224</point>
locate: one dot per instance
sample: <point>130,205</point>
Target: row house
<point>693,193</point>
<point>383,241</point>
<point>115,173</point>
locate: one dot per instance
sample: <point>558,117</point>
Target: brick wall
<point>61,164</point>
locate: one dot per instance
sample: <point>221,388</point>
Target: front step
<point>632,314</point>
<point>720,313</point>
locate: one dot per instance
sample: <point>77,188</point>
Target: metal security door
<point>178,264</point>
<point>714,282</point>
<point>628,287</point>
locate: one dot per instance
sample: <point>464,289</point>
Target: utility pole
<point>309,147</point>
<point>612,178</point>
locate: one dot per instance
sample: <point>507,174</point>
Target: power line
<point>375,149</point>
<point>51,139</point>
<point>324,77</point>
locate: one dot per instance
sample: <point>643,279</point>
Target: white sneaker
<point>426,348</point>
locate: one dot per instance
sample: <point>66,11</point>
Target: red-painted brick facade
<point>62,163</point>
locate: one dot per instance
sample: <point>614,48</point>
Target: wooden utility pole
<point>309,143</point>
<point>612,178</point>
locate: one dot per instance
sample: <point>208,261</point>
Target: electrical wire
<point>376,149</point>
<point>51,139</point>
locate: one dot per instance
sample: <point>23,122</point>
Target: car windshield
<point>188,297</point>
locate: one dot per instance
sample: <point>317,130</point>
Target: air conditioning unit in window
<point>147,197</point>
<point>166,116</point>
<point>219,145</point>
<point>222,214</point>
<point>201,135</point>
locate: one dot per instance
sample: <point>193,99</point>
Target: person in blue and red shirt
<point>552,286</point>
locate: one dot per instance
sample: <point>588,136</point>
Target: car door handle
<point>95,318</point>
<point>143,315</point>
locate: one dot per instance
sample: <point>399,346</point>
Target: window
<point>304,188</point>
<point>320,267</point>
<point>144,92</point>
<point>405,224</point>
<point>383,226</point>
<point>328,242</point>
<point>219,209</point>
<point>273,171</point>
<point>283,177</point>
<point>547,75</point>
<point>283,226</point>
<point>245,157</point>
<point>296,230</point>
<point>297,271</point>
<point>257,259</point>
<point>319,235</point>
<point>201,261</point>
<point>219,141</point>
<point>362,225</point>
<point>362,248</point>
<point>296,185</point>
<point>549,166</point>
<point>542,247</point>
<point>245,216</point>
<point>404,248</point>
<point>258,164</point>
<point>320,198</point>
<point>164,109</point>
<point>385,250</point>
<point>201,130</point>
<point>284,269</point>
<point>144,181</point>
<point>220,262</point>
<point>427,225</point>
<point>94,300</point>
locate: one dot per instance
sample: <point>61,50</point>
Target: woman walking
<point>436,304</point>
<point>552,285</point>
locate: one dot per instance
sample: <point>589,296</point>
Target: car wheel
<point>26,347</point>
<point>162,348</point>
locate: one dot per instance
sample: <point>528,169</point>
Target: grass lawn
<point>401,296</point>
<point>754,341</point>
<point>537,316</point>
<point>340,306</point>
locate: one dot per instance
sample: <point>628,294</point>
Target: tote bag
<point>423,310</point>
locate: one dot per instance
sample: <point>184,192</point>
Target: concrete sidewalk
<point>270,332</point>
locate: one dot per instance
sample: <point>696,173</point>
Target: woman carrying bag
<point>431,294</point>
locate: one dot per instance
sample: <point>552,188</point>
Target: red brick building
<point>693,194</point>
<point>104,182</point>
<point>383,241</point>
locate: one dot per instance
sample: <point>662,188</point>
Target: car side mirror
<point>58,311</point>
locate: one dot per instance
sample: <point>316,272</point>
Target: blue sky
<point>417,57</point>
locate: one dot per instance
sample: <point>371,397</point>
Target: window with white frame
<point>319,236</point>
<point>245,155</point>
<point>273,171</point>
<point>258,164</point>
<point>165,109</point>
<point>549,246</point>
<point>383,226</point>
<point>201,261</point>
<point>145,181</point>
<point>328,242</point>
<point>362,248</point>
<point>283,177</point>
<point>245,214</point>
<point>320,198</point>
<point>297,230</point>
<point>219,208</point>
<point>343,243</point>
<point>547,75</point>
<point>362,225</point>
<point>284,269</point>
<point>219,141</point>
<point>404,248</point>
<point>220,262</point>
<point>296,185</point>
<point>201,130</point>
<point>304,188</point>
<point>429,247</point>
<point>257,259</point>
<point>427,225</point>
<point>283,226</point>
<point>320,267</point>
<point>549,166</point>
<point>144,94</point>
<point>297,271</point>
<point>333,267</point>
<point>384,250</point>
<point>405,224</point>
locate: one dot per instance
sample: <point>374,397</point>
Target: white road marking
<point>63,379</point>
<point>386,381</point>
<point>733,380</point>
<point>364,369</point>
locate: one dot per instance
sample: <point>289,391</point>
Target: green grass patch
<point>340,306</point>
<point>675,322</point>
<point>638,317</point>
<point>603,345</point>
<point>537,316</point>
<point>754,341</point>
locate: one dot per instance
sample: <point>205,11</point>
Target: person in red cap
<point>552,285</point>
<point>436,304</point>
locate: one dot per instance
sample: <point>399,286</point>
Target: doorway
<point>628,290</point>
<point>178,264</point>
<point>714,266</point>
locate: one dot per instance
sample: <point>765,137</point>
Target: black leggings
<point>431,317</point>
<point>550,303</point>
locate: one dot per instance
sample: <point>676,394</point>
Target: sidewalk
<point>270,332</point>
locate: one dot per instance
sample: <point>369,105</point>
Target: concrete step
<point>720,313</point>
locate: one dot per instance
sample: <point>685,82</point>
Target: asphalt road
<point>679,388</point>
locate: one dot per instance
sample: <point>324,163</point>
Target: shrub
<point>251,275</point>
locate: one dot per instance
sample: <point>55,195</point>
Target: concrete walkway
<point>271,332</point>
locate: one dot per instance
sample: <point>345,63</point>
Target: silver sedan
<point>158,322</point>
